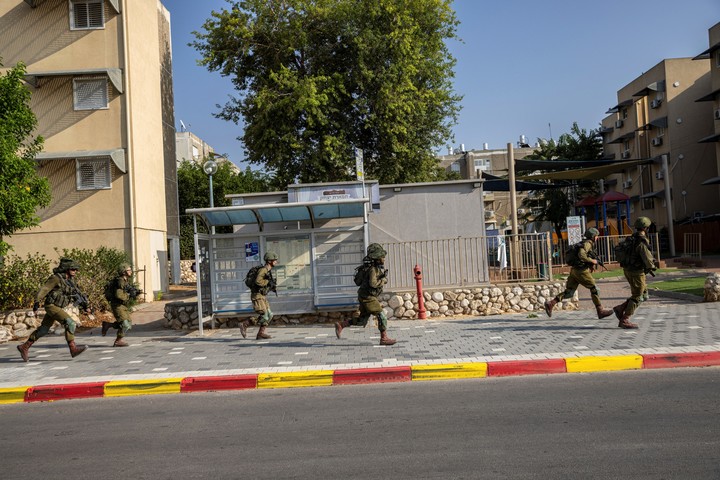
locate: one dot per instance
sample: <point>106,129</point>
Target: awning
<point>526,165</point>
<point>604,130</point>
<point>710,139</point>
<point>653,87</point>
<point>709,97</point>
<point>113,74</point>
<point>117,156</point>
<point>34,3</point>
<point>658,194</point>
<point>661,122</point>
<point>704,55</point>
<point>262,213</point>
<point>616,108</point>
<point>595,173</point>
<point>622,138</point>
<point>711,181</point>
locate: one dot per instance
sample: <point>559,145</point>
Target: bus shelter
<point>319,244</point>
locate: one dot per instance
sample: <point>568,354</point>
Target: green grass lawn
<point>692,285</point>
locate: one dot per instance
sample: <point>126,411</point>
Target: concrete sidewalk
<point>673,332</point>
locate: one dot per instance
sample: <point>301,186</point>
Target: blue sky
<point>524,67</point>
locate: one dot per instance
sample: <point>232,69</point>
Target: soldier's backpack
<point>625,251</point>
<point>109,290</point>
<point>571,254</point>
<point>361,273</point>
<point>252,276</point>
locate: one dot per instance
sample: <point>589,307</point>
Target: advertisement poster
<point>252,252</point>
<point>574,229</point>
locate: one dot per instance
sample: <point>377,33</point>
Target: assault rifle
<point>132,291</point>
<point>272,284</point>
<point>595,256</point>
<point>81,300</point>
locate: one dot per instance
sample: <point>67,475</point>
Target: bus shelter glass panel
<point>337,254</point>
<point>232,258</point>
<point>293,270</point>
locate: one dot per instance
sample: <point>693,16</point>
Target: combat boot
<point>23,349</point>
<point>261,335</point>
<point>119,342</point>
<point>625,323</point>
<point>619,310</point>
<point>603,312</point>
<point>243,328</point>
<point>339,327</point>
<point>105,327</point>
<point>74,350</point>
<point>385,340</point>
<point>549,306</point>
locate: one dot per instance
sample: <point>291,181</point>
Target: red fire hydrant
<point>422,313</point>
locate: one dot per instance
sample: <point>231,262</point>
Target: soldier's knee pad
<point>125,325</point>
<point>70,325</point>
<point>382,316</point>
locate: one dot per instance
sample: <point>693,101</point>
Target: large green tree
<point>554,205</point>
<point>194,192</point>
<point>317,78</point>
<point>22,190</point>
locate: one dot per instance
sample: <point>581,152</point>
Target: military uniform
<point>264,283</point>
<point>372,286</point>
<point>581,274</point>
<point>120,303</point>
<point>59,291</point>
<point>641,262</point>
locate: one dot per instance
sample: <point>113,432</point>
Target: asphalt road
<point>662,424</point>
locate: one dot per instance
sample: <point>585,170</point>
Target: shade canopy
<point>117,155</point>
<point>594,173</point>
<point>280,212</point>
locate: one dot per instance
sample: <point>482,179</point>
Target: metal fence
<point>476,261</point>
<point>692,245</point>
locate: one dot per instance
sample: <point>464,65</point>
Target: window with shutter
<point>90,94</point>
<point>87,14</point>
<point>94,174</point>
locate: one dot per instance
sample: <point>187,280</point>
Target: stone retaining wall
<point>16,324</point>
<point>480,301</point>
<point>712,288</point>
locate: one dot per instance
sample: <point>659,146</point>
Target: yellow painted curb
<point>123,388</point>
<point>449,370</point>
<point>312,378</point>
<point>12,395</point>
<point>603,364</point>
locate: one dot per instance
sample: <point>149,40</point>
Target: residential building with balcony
<point>711,56</point>
<point>100,74</point>
<point>658,122</point>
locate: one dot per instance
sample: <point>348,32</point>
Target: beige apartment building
<point>100,74</point>
<point>658,122</point>
<point>711,56</point>
<point>189,146</point>
<point>470,164</point>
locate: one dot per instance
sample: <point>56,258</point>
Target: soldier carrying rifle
<point>121,293</point>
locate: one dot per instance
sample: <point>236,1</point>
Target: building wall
<point>132,214</point>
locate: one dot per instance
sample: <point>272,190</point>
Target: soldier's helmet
<point>591,233</point>
<point>643,222</point>
<point>123,268</point>
<point>270,256</point>
<point>376,251</point>
<point>67,264</point>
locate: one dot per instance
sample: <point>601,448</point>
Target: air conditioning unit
<point>521,211</point>
<point>717,114</point>
<point>625,154</point>
<point>659,175</point>
<point>657,141</point>
<point>618,123</point>
<point>627,184</point>
<point>655,103</point>
<point>489,214</point>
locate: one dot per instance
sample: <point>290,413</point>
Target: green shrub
<point>20,280</point>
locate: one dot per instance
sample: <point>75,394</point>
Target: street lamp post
<point>210,167</point>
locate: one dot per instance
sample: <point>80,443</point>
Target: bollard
<point>422,313</point>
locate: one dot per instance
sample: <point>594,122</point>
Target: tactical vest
<point>61,295</point>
